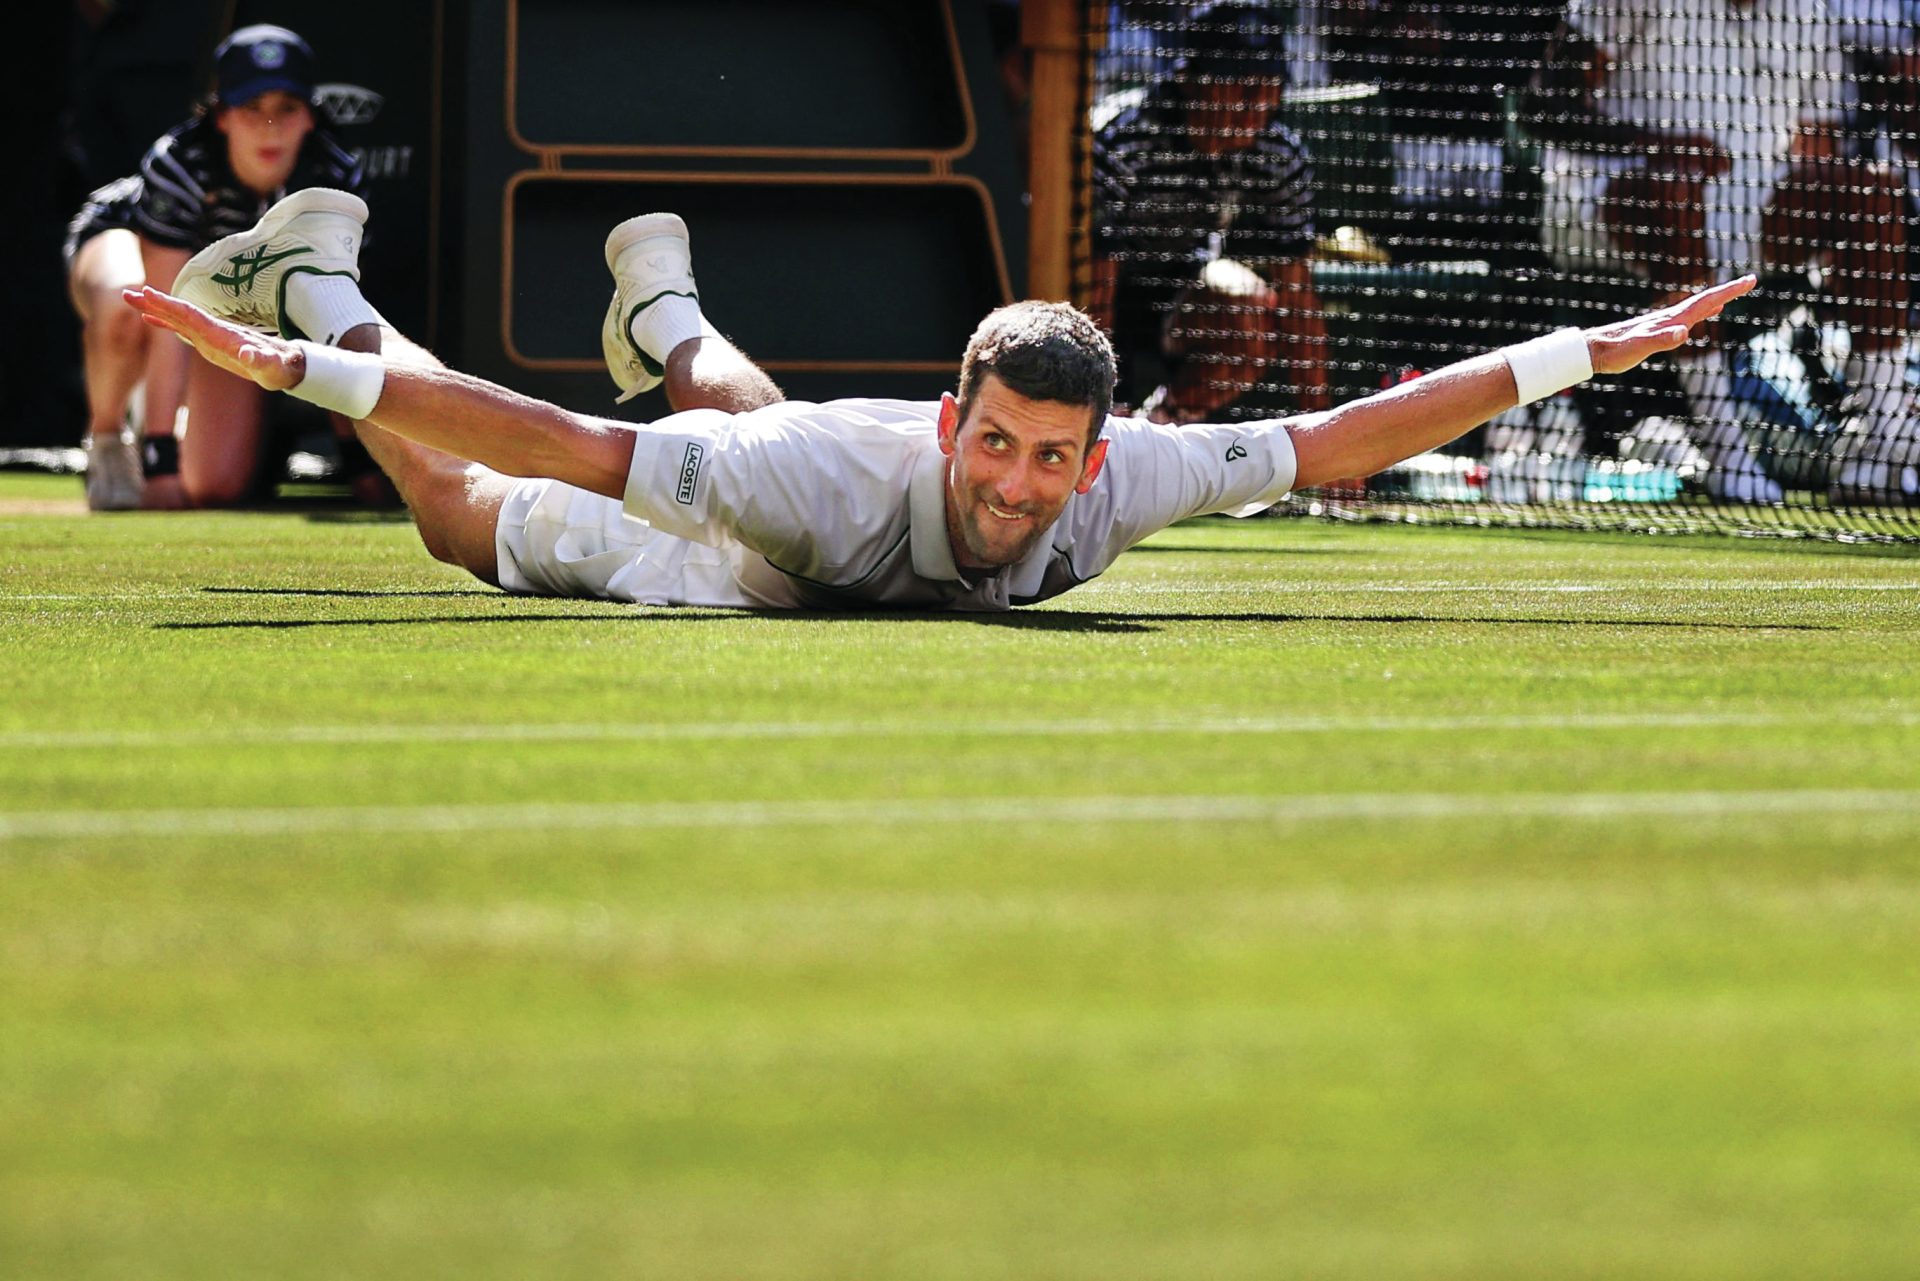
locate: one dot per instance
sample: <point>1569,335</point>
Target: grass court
<point>1296,900</point>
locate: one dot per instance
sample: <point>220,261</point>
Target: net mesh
<point>1290,205</point>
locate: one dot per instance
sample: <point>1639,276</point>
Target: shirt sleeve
<point>1161,473</point>
<point>774,484</point>
<point>173,204</point>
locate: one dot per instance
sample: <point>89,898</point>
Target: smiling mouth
<point>1001,512</point>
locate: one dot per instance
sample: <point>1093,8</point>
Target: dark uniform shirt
<point>108,208</point>
<point>192,197</point>
<point>1164,208</point>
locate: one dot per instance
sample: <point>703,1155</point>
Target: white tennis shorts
<point>554,539</point>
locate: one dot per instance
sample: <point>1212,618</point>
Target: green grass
<point>1295,901</point>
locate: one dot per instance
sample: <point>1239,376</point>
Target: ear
<point>948,428</point>
<point>1096,459</point>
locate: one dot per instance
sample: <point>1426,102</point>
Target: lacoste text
<point>689,472</point>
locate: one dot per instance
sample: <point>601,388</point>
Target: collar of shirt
<point>927,518</point>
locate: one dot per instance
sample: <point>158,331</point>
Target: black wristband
<point>159,456</point>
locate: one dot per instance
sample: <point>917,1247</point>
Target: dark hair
<point>1043,351</point>
<point>1239,41</point>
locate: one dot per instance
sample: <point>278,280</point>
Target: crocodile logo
<point>245,268</point>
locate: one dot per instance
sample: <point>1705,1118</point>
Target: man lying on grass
<point>1015,490</point>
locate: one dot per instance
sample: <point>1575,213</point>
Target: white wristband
<point>346,382</point>
<point>1550,364</point>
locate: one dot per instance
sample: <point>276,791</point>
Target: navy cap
<point>259,59</point>
<point>1233,40</point>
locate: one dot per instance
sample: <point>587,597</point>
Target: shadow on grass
<point>1036,620</point>
<point>347,592</point>
<point>1200,549</point>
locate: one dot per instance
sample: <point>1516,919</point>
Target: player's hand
<point>272,362</point>
<point>1620,346</point>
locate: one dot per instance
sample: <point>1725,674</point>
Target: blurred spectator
<point>1443,68</point>
<point>254,140</point>
<point>1139,45</point>
<point>1701,141</point>
<point>1877,40</point>
<point>1203,223</point>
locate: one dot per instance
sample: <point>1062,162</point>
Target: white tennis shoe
<point>650,258</point>
<point>243,277</point>
<point>114,480</point>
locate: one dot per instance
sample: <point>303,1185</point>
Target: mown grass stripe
<point>1483,588</point>
<point>1437,806</point>
<point>718,731</point>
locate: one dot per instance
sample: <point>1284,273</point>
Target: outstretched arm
<point>1363,436</point>
<point>457,414</point>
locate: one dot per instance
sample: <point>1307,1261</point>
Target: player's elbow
<point>1322,453</point>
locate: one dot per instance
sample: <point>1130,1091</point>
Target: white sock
<point>665,323</point>
<point>324,308</point>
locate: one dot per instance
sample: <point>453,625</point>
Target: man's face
<point>1011,468</point>
<point>263,138</point>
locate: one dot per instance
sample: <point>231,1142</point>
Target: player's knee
<point>116,327</point>
<point>454,514</point>
<point>434,538</point>
<point>481,562</point>
<point>216,491</point>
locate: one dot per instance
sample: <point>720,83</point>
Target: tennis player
<point>1019,487</point>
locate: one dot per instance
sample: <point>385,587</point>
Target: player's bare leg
<point>655,333</point>
<point>114,343</point>
<point>709,372</point>
<point>455,503</point>
<point>226,429</point>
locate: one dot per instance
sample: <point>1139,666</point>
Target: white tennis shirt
<point>843,505</point>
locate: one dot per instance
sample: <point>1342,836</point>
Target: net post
<point>1050,31</point>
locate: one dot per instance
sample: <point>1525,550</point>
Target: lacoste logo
<point>346,243</point>
<point>658,262</point>
<point>245,268</point>
<point>348,104</point>
<point>1236,450</point>
<point>689,473</point>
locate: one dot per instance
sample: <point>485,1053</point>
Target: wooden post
<point>1050,30</point>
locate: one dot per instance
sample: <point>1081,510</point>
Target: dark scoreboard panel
<point>845,166</point>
